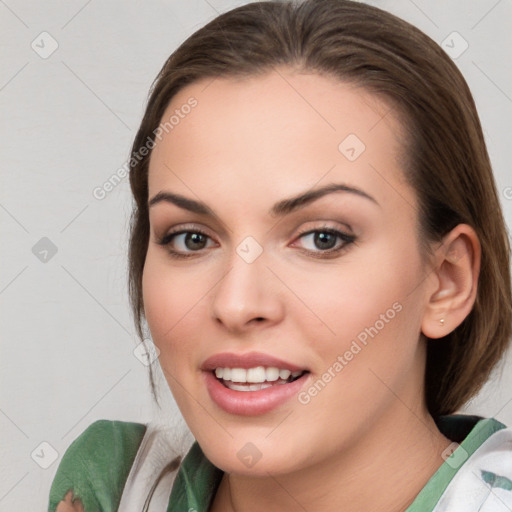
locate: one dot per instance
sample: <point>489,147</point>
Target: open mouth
<point>255,379</point>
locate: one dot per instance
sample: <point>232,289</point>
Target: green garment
<point>97,464</point>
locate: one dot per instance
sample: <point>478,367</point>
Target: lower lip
<point>251,403</point>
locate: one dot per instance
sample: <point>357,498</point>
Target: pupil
<point>321,239</point>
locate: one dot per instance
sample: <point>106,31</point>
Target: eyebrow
<point>279,209</point>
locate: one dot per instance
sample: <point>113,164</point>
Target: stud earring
<point>441,321</point>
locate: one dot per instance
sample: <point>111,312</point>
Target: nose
<point>248,294</point>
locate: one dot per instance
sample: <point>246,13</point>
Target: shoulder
<point>105,432</point>
<point>96,465</point>
<point>483,479</point>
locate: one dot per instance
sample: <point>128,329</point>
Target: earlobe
<point>457,266</point>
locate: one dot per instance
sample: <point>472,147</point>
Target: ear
<point>456,270</point>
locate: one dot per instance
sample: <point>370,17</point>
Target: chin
<point>252,458</point>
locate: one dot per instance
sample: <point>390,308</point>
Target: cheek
<point>167,295</point>
<point>175,306</point>
<point>343,300</point>
<point>166,302</point>
<point>370,316</point>
<point>157,295</point>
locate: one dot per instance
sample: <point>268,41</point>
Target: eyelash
<point>166,240</point>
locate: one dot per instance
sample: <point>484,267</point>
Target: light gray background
<point>67,123</point>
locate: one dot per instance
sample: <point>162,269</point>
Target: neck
<point>383,471</point>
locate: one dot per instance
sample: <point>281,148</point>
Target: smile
<point>255,379</point>
<point>252,383</point>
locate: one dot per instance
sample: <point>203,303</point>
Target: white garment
<point>166,437</point>
<point>468,491</point>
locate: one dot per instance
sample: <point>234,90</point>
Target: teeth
<point>257,375</point>
<point>284,374</point>
<point>272,374</point>
<point>238,375</point>
<point>251,387</point>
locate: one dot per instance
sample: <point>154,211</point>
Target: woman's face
<point>256,284</point>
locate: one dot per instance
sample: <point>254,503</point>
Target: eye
<point>326,241</point>
<point>323,242</point>
<point>184,243</point>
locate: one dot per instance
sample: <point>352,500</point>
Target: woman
<point>318,250</point>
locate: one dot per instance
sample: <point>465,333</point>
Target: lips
<point>249,360</point>
<point>253,383</point>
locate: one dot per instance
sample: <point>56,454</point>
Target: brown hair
<point>446,158</point>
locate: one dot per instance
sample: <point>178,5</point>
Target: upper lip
<point>247,360</point>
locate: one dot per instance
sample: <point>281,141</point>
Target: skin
<point>68,504</point>
<point>250,143</point>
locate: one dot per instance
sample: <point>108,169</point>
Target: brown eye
<point>194,241</point>
<point>185,243</point>
<point>326,241</point>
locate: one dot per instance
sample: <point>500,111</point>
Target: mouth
<point>257,378</point>
<point>253,383</point>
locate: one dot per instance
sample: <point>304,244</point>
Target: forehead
<point>277,134</point>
